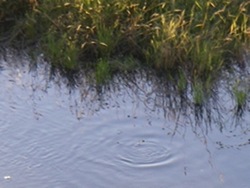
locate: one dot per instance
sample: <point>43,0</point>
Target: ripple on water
<point>145,154</point>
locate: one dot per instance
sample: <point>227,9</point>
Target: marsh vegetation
<point>190,42</point>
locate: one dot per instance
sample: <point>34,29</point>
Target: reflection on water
<point>136,132</point>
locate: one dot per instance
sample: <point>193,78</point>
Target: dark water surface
<point>128,134</point>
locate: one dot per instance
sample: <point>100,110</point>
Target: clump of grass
<point>240,92</point>
<point>106,40</point>
<point>241,100</point>
<point>240,97</point>
<point>207,58</point>
<point>168,43</point>
<point>102,73</point>
<point>182,82</point>
<point>62,53</point>
<point>195,36</point>
<point>198,93</point>
<point>124,64</point>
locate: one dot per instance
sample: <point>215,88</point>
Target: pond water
<point>127,134</point>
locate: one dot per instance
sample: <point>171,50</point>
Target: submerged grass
<point>240,92</point>
<point>195,36</point>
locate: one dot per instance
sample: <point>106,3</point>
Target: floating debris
<point>7,177</point>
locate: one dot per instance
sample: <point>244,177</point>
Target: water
<point>126,135</point>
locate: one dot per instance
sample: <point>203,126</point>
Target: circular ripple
<point>145,154</point>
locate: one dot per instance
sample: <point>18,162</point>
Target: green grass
<point>195,36</point>
<point>198,93</point>
<point>240,92</point>
<point>240,97</point>
<point>102,71</point>
<point>182,82</point>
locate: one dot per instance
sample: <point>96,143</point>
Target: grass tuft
<point>196,36</point>
<point>102,71</point>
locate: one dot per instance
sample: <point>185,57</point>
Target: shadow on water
<point>136,106</point>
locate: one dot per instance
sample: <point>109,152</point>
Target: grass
<point>240,92</point>
<point>197,37</point>
<point>182,82</point>
<point>198,94</point>
<point>63,53</point>
<point>102,71</point>
<point>240,97</point>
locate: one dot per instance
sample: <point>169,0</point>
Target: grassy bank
<point>194,38</point>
